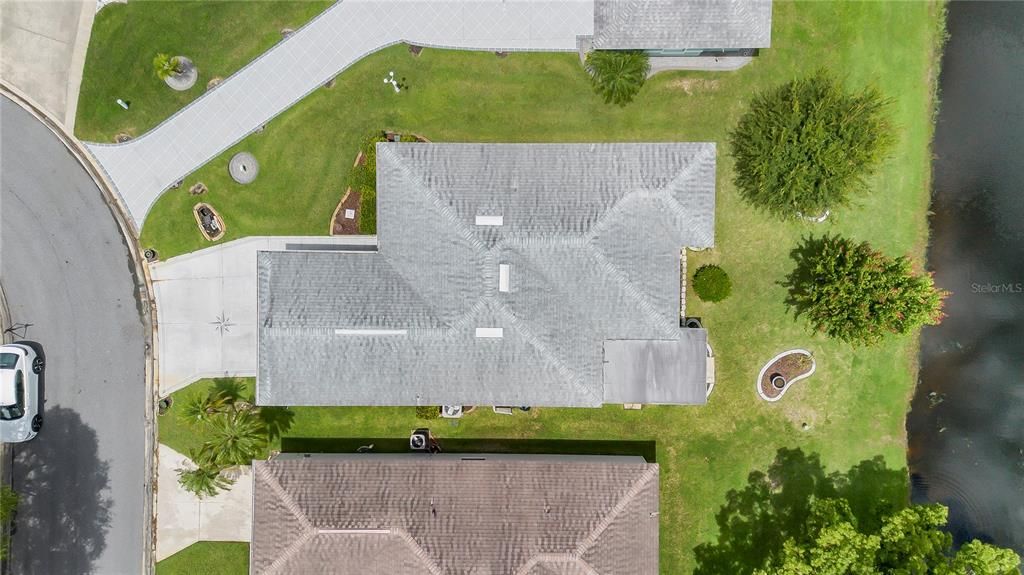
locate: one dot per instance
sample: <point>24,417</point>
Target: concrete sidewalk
<point>42,51</point>
<point>206,306</point>
<point>346,32</point>
<point>183,519</point>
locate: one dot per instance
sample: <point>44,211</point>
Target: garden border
<point>760,374</point>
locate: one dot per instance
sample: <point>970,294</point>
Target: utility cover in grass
<point>243,167</point>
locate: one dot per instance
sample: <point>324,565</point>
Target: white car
<point>20,416</point>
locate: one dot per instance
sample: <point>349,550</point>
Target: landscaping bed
<point>785,370</point>
<point>341,224</point>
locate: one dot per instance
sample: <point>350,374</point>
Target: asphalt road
<point>66,271</point>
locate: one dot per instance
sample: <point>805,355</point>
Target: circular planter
<point>786,384</point>
<point>186,78</point>
<point>243,168</point>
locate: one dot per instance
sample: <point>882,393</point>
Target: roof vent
<point>490,220</point>
<point>503,271</point>
<point>490,332</point>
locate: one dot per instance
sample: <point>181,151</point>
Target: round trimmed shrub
<point>711,283</point>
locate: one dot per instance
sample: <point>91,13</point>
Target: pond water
<point>966,426</point>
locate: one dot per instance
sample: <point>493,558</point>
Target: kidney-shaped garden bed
<point>783,371</point>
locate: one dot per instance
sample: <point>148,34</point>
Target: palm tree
<point>165,66</point>
<point>617,75</point>
<point>203,481</point>
<point>236,438</point>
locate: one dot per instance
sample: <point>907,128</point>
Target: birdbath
<point>778,382</point>
<point>243,168</point>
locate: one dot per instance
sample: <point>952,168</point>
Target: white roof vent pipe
<point>490,220</point>
<point>503,277</point>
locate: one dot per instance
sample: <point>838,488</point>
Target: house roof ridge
<point>458,225</point>
<point>641,482</point>
<point>531,338</point>
<point>291,505</point>
<point>622,19</point>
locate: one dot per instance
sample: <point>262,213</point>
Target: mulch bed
<point>789,366</point>
<point>340,225</point>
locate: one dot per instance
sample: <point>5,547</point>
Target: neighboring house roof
<point>679,24</point>
<point>432,515</point>
<point>591,235</point>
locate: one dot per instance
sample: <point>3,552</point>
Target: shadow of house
<point>775,506</point>
<point>645,449</point>
<point>64,513</point>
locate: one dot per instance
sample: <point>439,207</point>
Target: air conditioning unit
<point>420,440</point>
<point>451,411</point>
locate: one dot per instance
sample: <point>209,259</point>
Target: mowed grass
<point>856,401</point>
<point>219,37</point>
<point>207,558</point>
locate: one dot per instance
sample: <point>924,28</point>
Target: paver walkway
<point>206,306</point>
<point>183,519</point>
<point>351,29</point>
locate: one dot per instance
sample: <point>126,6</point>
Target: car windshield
<point>8,360</point>
<point>17,409</point>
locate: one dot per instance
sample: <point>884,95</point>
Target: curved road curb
<point>143,289</point>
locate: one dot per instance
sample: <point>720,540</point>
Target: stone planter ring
<point>777,381</point>
<point>186,79</point>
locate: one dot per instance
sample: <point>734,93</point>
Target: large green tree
<point>854,293</point>
<point>797,519</point>
<point>806,146</point>
<point>617,75</point>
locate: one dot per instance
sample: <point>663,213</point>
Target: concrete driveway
<point>42,51</point>
<point>206,306</point>
<point>68,278</point>
<point>183,519</point>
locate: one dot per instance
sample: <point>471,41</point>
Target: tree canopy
<point>617,75</point>
<point>802,148</point>
<point>853,293</point>
<point>796,519</point>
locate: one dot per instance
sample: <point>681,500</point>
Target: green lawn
<point>220,37</point>
<point>855,403</point>
<point>207,558</point>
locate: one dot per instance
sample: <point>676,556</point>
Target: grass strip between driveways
<point>207,558</point>
<point>855,403</point>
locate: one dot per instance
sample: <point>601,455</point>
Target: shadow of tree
<point>64,514</point>
<point>803,277</point>
<point>755,521</point>
<point>276,421</point>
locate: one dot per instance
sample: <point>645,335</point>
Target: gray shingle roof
<point>592,235</point>
<point>433,515</point>
<point>678,24</point>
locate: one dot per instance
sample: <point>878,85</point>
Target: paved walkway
<point>346,32</point>
<point>206,307</point>
<point>42,51</point>
<point>183,519</point>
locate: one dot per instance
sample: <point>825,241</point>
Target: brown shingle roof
<point>444,515</point>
